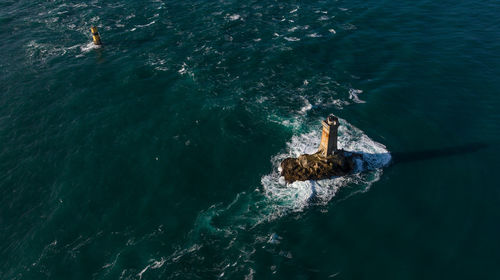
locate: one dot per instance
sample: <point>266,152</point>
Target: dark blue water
<point>156,156</point>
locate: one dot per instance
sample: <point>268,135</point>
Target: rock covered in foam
<point>316,166</point>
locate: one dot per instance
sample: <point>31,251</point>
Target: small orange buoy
<point>95,36</point>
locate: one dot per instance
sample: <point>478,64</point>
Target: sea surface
<point>156,156</point>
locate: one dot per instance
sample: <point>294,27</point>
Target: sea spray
<point>235,227</point>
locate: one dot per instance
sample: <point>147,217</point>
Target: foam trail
<point>275,199</point>
<point>88,47</point>
<point>298,195</point>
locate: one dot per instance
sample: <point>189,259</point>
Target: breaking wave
<point>295,197</point>
<point>229,226</point>
<point>275,198</point>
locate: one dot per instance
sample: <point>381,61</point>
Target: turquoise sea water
<point>156,156</point>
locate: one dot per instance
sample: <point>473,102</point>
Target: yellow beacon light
<point>95,36</point>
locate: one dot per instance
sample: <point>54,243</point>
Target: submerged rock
<point>316,166</point>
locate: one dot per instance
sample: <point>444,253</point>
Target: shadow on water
<point>404,157</point>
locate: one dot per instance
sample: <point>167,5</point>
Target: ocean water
<point>156,156</point>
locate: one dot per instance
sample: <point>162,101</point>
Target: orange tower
<point>328,144</point>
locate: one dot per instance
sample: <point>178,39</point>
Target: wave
<point>353,95</point>
<point>40,52</point>
<point>295,197</point>
<point>230,226</point>
<point>234,17</point>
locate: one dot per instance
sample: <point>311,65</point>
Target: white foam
<point>153,265</point>
<point>158,264</point>
<point>353,95</point>
<point>295,197</point>
<point>159,64</point>
<point>183,70</point>
<point>314,35</point>
<point>275,199</point>
<point>307,106</point>
<point>274,239</point>
<point>88,47</point>
<point>293,123</point>
<point>292,39</point>
<point>41,52</point>
<point>234,17</point>
<point>145,25</point>
<point>261,99</point>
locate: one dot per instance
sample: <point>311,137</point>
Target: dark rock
<point>326,163</point>
<point>317,166</point>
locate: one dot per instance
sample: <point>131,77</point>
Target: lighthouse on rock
<point>328,144</point>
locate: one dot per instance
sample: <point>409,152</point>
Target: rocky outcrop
<point>317,166</point>
<point>326,163</point>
